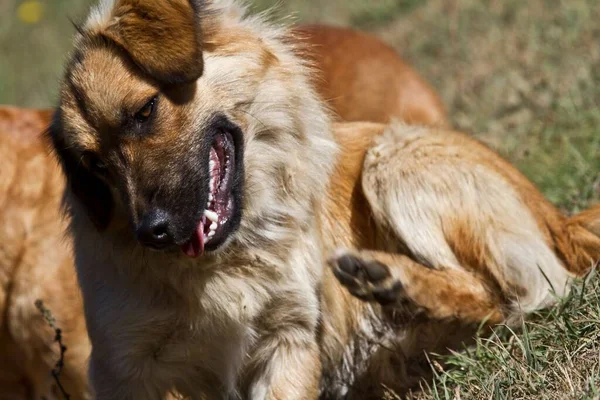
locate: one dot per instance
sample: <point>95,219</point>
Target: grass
<point>554,355</point>
<point>520,75</point>
<point>32,54</point>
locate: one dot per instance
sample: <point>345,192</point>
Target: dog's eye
<point>146,112</point>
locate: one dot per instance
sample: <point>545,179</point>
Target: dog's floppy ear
<point>91,191</point>
<point>163,37</point>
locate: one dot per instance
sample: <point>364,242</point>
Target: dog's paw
<point>369,280</point>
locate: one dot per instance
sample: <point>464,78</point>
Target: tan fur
<point>35,263</point>
<point>465,238</point>
<point>54,283</point>
<point>475,202</point>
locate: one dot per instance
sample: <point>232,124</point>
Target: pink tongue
<point>195,247</point>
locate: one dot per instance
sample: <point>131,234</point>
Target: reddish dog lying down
<point>35,258</point>
<point>35,263</point>
<point>231,242</point>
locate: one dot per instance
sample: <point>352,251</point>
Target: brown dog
<point>364,79</point>
<point>224,230</point>
<point>36,261</point>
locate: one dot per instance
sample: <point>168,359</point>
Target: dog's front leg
<point>285,367</point>
<point>284,362</point>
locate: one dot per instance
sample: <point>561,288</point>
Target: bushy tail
<point>584,233</point>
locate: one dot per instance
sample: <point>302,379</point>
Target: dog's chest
<point>208,355</point>
<point>194,348</point>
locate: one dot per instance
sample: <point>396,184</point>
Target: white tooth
<point>214,226</point>
<point>213,216</point>
<point>211,234</point>
<point>212,184</point>
<point>210,197</point>
<point>208,204</point>
<point>211,165</point>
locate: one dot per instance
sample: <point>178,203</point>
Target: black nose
<point>154,230</point>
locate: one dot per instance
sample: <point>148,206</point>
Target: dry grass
<point>554,355</point>
<point>521,75</point>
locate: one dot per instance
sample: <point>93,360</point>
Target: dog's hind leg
<point>473,247</point>
<point>396,280</point>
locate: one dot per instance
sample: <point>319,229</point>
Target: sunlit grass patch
<point>555,354</point>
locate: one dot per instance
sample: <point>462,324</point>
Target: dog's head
<point>190,124</point>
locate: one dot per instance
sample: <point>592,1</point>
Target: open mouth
<point>215,224</point>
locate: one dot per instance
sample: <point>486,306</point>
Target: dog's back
<point>364,79</point>
<point>35,263</point>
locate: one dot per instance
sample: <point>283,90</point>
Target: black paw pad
<point>349,264</point>
<point>376,271</point>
